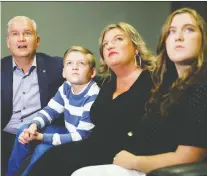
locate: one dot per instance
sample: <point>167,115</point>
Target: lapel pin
<point>44,71</point>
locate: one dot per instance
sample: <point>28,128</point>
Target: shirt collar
<point>16,66</point>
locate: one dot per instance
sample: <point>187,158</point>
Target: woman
<point>117,109</point>
<point>174,129</point>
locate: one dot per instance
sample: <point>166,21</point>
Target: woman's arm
<point>183,154</point>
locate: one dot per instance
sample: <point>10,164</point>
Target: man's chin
<point>23,55</point>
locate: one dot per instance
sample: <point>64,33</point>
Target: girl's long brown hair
<point>168,87</point>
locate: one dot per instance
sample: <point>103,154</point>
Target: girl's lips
<point>179,46</point>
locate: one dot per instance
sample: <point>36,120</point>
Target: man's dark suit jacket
<point>49,72</point>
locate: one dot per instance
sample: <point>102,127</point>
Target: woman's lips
<point>112,53</point>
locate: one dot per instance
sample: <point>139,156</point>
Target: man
<point>29,80</point>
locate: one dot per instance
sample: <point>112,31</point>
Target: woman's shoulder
<point>146,78</point>
<point>198,94</point>
<point>200,87</point>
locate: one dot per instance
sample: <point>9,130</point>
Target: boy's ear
<point>63,73</point>
<point>93,73</point>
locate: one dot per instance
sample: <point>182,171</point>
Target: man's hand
<point>125,159</point>
<point>27,135</point>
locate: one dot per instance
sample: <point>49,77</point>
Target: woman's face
<point>118,49</point>
<point>184,40</point>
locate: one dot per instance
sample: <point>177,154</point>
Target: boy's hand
<point>23,138</point>
<point>38,136</point>
<point>27,135</point>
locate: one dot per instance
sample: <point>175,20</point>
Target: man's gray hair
<point>24,18</point>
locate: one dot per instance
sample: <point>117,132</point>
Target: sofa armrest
<point>193,169</point>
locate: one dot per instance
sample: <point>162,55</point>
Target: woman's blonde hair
<point>166,68</point>
<point>144,52</point>
<point>85,51</point>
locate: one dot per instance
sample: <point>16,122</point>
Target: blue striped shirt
<point>76,110</point>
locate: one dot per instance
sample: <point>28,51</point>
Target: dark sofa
<point>193,169</point>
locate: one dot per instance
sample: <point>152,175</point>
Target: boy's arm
<point>75,133</point>
<point>52,111</point>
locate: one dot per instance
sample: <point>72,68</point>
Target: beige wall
<point>63,24</point>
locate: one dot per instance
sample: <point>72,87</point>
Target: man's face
<point>22,39</point>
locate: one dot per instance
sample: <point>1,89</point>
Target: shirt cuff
<point>37,123</point>
<point>47,138</point>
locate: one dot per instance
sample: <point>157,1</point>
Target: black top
<point>115,118</point>
<point>186,124</point>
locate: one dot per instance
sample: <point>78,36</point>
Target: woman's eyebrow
<point>118,35</point>
<point>187,24</point>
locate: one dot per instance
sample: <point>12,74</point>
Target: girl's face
<point>184,39</point>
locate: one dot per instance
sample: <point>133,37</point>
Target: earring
<point>135,60</point>
<point>108,71</point>
<point>138,57</point>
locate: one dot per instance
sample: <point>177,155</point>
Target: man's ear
<point>38,40</point>
<point>63,73</point>
<point>93,73</point>
<point>7,42</point>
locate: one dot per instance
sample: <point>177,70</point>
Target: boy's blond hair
<point>85,51</point>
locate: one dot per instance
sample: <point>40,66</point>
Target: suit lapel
<point>42,79</point>
<point>7,88</point>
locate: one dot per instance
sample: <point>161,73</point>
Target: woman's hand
<point>182,155</point>
<point>126,160</point>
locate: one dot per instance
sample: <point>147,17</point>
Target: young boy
<point>74,98</point>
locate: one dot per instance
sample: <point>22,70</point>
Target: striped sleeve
<point>82,129</point>
<point>52,111</point>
